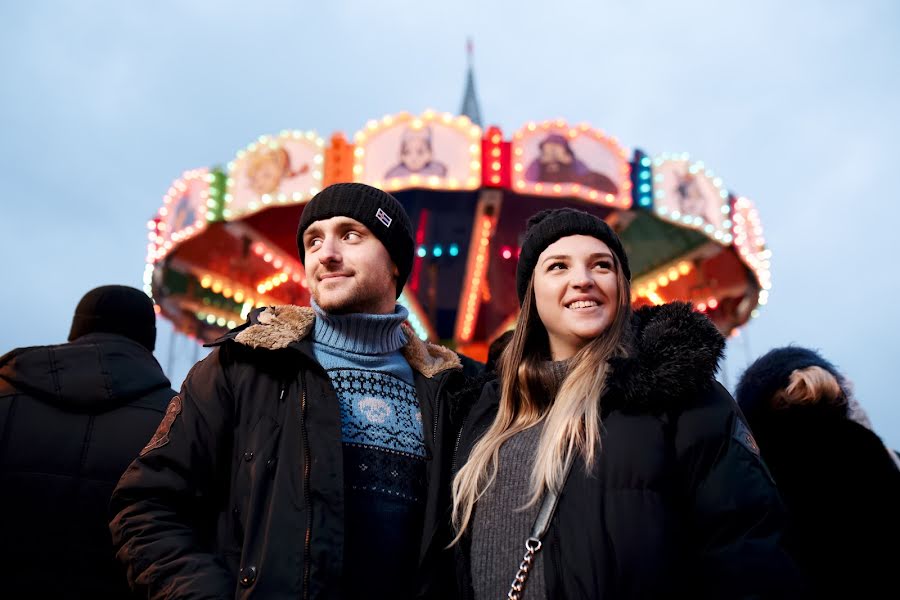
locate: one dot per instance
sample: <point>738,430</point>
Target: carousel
<point>223,241</point>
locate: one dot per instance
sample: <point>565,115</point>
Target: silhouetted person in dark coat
<point>839,482</point>
<point>72,417</point>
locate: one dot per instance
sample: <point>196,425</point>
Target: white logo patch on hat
<point>382,216</point>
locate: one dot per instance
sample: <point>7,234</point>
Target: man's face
<point>416,154</point>
<point>348,270</point>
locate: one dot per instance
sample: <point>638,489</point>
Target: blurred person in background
<point>840,483</point>
<point>72,417</point>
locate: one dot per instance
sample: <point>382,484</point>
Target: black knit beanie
<point>377,210</point>
<point>116,309</point>
<point>772,372</point>
<point>549,225</point>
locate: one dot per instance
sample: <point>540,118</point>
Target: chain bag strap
<point>533,543</point>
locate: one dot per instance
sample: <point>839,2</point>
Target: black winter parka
<point>72,417</point>
<point>679,503</point>
<point>241,495</point>
<point>842,493</point>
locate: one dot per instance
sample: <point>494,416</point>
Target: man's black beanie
<point>377,210</point>
<point>549,225</point>
<point>116,309</point>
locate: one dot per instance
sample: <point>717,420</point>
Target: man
<point>72,417</point>
<point>309,452</point>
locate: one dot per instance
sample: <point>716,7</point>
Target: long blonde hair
<point>527,388</point>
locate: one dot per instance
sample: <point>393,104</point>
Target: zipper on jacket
<point>437,412</point>
<point>456,446</point>
<point>306,467</point>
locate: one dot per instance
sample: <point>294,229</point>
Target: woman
<point>840,484</point>
<point>666,496</point>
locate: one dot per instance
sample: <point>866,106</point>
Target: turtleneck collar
<point>361,333</point>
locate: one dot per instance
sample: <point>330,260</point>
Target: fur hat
<point>549,225</point>
<point>377,210</point>
<point>116,309</point>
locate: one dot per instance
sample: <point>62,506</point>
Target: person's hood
<point>278,327</point>
<point>94,373</point>
<point>772,372</point>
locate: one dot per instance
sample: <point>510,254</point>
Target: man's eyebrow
<point>311,231</point>
<point>353,225</point>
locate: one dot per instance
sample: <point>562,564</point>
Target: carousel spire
<point>470,105</point>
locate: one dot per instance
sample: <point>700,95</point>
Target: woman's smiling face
<point>575,290</point>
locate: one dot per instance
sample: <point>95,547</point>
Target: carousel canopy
<point>223,241</point>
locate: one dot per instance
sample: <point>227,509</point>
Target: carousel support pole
<point>748,352</point>
<point>487,212</point>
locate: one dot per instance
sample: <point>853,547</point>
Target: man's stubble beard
<point>357,300</point>
<point>353,302</point>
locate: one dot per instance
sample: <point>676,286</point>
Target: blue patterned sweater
<point>383,447</point>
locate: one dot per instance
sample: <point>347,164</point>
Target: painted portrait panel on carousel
<point>748,236</point>
<point>555,159</point>
<point>275,170</point>
<point>688,193</point>
<point>184,206</point>
<point>437,151</point>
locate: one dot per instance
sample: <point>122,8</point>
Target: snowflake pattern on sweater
<point>380,410</point>
<point>384,449</point>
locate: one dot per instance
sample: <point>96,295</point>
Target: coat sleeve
<point>165,505</point>
<point>735,517</point>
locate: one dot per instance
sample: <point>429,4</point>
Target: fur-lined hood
<point>673,355</point>
<point>277,327</point>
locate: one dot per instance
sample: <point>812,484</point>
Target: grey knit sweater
<point>500,527</point>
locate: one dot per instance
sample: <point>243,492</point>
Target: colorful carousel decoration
<point>223,241</point>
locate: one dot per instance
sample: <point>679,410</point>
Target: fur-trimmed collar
<point>673,355</point>
<point>277,327</point>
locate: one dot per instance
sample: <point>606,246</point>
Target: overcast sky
<point>793,104</point>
